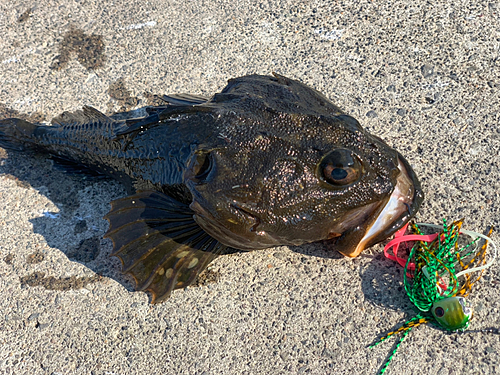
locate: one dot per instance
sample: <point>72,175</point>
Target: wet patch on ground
<point>118,91</point>
<point>80,227</point>
<point>8,258</point>
<point>26,14</point>
<point>65,193</point>
<point>88,48</point>
<point>87,250</point>
<point>6,112</point>
<point>53,283</point>
<point>207,277</point>
<point>153,99</point>
<point>22,184</point>
<point>36,257</point>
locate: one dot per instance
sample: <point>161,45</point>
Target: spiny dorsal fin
<point>159,243</point>
<point>282,79</point>
<point>184,99</point>
<point>158,114</point>
<point>87,115</point>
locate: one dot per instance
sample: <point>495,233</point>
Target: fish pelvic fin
<point>159,243</point>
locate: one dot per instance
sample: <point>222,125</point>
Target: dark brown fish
<point>266,162</point>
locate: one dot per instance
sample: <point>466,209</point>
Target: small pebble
<point>427,70</point>
<point>33,316</point>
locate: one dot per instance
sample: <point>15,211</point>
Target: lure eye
<point>339,168</point>
<point>450,314</point>
<point>439,312</point>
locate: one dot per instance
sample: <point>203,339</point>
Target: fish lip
<point>408,206</point>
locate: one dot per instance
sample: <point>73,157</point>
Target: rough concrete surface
<point>422,75</point>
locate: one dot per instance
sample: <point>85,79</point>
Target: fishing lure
<point>437,276</point>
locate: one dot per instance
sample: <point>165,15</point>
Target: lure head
<point>452,313</point>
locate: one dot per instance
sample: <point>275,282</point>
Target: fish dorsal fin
<point>158,114</point>
<point>159,243</point>
<point>87,115</point>
<point>184,99</point>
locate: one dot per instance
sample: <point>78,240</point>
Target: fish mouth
<point>398,209</point>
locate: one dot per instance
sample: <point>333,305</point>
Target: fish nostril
<point>391,165</point>
<point>393,168</point>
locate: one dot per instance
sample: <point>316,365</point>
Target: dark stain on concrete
<point>153,100</point>
<point>8,258</point>
<point>6,112</point>
<point>23,17</point>
<point>18,182</point>
<point>52,283</point>
<point>207,277</point>
<point>35,258</point>
<point>80,227</point>
<point>65,193</point>
<point>118,91</point>
<point>89,50</point>
<point>87,250</point>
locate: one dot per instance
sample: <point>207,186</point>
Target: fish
<point>268,161</point>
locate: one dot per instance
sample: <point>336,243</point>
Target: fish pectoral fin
<point>159,243</point>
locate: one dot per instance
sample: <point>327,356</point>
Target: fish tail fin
<point>17,134</point>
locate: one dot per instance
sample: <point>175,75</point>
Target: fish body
<point>268,161</point>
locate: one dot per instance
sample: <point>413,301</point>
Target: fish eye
<point>439,312</point>
<point>202,165</point>
<point>340,167</point>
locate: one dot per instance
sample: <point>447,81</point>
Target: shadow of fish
<point>266,162</point>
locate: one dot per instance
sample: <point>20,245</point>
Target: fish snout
<point>390,216</point>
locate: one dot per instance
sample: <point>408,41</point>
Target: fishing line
<point>431,276</point>
<point>472,235</point>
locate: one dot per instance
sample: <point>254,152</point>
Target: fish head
<point>288,179</point>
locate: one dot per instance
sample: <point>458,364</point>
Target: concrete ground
<point>422,75</point>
